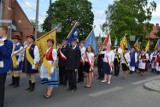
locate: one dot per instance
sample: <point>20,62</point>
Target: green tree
<point>68,12</point>
<point>129,17</point>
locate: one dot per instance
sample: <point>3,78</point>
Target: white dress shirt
<point>127,58</point>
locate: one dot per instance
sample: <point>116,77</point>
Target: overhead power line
<point>31,8</point>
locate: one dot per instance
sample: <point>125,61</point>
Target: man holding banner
<point>31,60</point>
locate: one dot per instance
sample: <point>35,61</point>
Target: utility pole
<point>50,3</point>
<point>50,18</point>
<point>37,14</point>
<point>1,12</point>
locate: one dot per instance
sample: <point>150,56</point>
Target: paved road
<point>121,93</point>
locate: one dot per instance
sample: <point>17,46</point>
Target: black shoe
<point>74,90</point>
<point>32,87</point>
<point>13,81</point>
<point>12,84</point>
<point>29,87</point>
<point>130,72</point>
<point>80,81</point>
<point>16,85</point>
<point>69,89</point>
<point>16,82</point>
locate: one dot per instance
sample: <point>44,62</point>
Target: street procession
<point>72,58</point>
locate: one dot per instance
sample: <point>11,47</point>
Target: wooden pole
<point>75,25</point>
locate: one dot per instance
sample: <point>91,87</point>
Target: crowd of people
<point>75,63</point>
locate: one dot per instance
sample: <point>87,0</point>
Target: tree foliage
<point>131,17</point>
<point>68,12</point>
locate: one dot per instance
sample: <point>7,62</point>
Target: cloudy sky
<point>99,7</point>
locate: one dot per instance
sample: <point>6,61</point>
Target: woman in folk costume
<point>125,62</point>
<point>108,60</point>
<point>143,60</point>
<point>31,60</point>
<point>89,65</point>
<point>153,58</point>
<point>17,61</point>
<point>48,73</point>
<point>158,62</point>
<point>133,55</point>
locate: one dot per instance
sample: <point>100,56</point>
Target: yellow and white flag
<point>42,42</point>
<point>123,43</point>
<point>137,45</point>
<point>147,46</point>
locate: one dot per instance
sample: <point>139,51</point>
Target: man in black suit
<point>62,62</point>
<point>73,62</point>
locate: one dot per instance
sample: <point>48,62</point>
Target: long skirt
<point>47,79</point>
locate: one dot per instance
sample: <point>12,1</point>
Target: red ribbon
<point>94,73</point>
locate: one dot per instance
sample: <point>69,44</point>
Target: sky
<point>99,7</point>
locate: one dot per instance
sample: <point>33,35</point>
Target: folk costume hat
<point>16,37</point>
<point>31,36</point>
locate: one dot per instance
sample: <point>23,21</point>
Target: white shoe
<point>109,82</point>
<point>104,81</point>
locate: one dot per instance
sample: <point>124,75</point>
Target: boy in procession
<point>31,60</point>
<point>81,67</point>
<point>17,61</point>
<point>5,60</point>
<point>117,58</point>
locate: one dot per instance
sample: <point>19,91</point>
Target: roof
<point>152,34</point>
<point>22,11</point>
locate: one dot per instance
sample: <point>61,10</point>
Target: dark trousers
<point>100,72</point>
<point>80,73</point>
<point>116,67</point>
<point>2,88</point>
<point>63,75</point>
<point>72,79</point>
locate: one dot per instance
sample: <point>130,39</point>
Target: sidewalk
<point>153,85</point>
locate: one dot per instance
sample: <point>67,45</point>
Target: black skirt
<point>86,67</point>
<point>106,68</point>
<point>125,67</point>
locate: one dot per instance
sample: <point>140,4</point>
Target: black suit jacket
<point>73,58</point>
<point>62,62</point>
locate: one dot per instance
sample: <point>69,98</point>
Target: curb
<point>153,85</point>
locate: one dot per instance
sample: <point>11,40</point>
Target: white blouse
<point>54,53</point>
<point>108,56</point>
<point>127,57</point>
<point>90,56</point>
<point>83,50</point>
